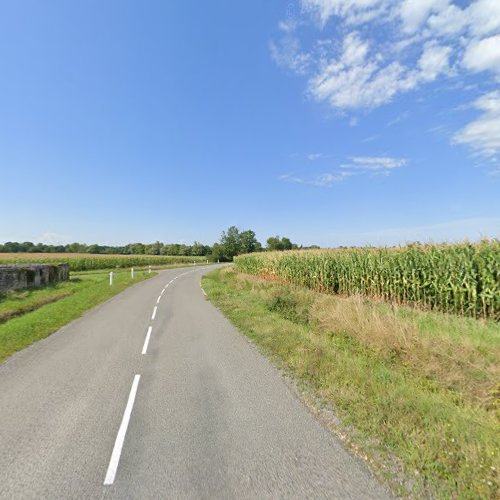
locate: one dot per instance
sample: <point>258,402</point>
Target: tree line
<point>232,242</point>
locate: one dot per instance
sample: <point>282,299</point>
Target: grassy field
<point>415,393</point>
<point>30,315</point>
<point>88,262</point>
<point>462,279</point>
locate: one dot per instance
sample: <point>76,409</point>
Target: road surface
<point>154,394</point>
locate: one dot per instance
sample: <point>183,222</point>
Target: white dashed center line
<point>120,437</point>
<point>146,341</point>
<point>154,312</point>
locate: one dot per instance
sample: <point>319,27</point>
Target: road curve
<point>200,415</point>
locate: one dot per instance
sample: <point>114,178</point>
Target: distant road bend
<point>154,394</point>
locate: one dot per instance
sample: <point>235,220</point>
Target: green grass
<point>32,318</point>
<point>19,302</point>
<point>398,379</point>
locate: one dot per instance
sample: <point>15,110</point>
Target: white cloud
<point>314,156</point>
<point>484,17</point>
<point>360,165</point>
<point>434,61</point>
<point>360,10</point>
<point>328,180</point>
<point>322,180</point>
<point>376,162</point>
<point>368,52</point>
<point>483,55</point>
<point>353,81</point>
<point>448,21</point>
<point>483,134</point>
<point>286,53</point>
<point>415,12</point>
<point>423,40</point>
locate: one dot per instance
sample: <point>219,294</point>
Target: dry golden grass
<point>460,354</point>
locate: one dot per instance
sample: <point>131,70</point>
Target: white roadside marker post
<point>132,273</point>
<point>149,269</point>
<point>111,276</point>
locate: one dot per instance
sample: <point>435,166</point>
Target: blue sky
<point>333,122</point>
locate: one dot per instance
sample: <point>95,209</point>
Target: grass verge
<point>36,314</point>
<point>415,393</point>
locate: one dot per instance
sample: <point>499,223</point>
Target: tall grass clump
<point>461,278</point>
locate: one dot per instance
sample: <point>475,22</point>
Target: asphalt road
<point>84,414</point>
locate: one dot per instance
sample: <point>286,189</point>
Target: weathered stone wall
<point>20,276</point>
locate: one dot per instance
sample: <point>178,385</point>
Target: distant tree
<point>286,244</point>
<point>153,249</point>
<point>277,243</point>
<point>217,254</point>
<point>230,243</point>
<point>137,248</point>
<point>274,243</point>
<point>233,242</point>
<point>11,247</point>
<point>247,242</point>
<point>198,249</point>
<point>75,248</point>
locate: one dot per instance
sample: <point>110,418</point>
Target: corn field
<point>90,262</point>
<point>461,278</point>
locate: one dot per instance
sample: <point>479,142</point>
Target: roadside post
<point>149,269</point>
<point>132,273</point>
<point>111,276</point>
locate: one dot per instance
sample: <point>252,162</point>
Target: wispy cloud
<point>328,180</point>
<point>358,165</point>
<point>375,163</point>
<point>398,119</point>
<point>483,133</point>
<point>370,138</point>
<point>321,180</point>
<point>314,156</point>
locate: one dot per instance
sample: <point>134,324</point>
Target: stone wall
<point>20,276</point>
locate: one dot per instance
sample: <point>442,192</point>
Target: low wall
<point>20,276</point>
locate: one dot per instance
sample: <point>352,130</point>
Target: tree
<point>286,244</point>
<point>154,248</point>
<point>198,249</point>
<point>248,241</point>
<point>217,253</point>
<point>275,243</point>
<point>136,248</point>
<point>230,243</point>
